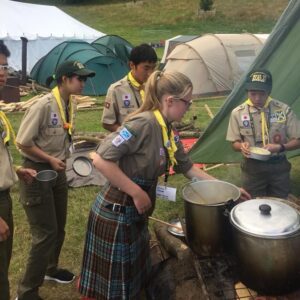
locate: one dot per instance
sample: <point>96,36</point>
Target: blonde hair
<point>163,83</point>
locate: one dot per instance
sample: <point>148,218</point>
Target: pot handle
<point>229,204</point>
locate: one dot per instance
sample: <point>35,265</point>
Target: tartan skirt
<point>116,260</point>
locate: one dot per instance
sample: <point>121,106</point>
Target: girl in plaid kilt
<point>116,261</point>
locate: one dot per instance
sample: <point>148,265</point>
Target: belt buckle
<point>117,207</point>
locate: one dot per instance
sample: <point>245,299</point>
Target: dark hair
<point>142,53</point>
<point>3,49</point>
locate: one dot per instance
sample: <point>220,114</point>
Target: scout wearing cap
<point>264,122</point>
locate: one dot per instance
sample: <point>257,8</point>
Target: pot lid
<point>265,217</point>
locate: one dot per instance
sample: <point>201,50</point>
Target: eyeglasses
<point>187,103</point>
<point>4,67</point>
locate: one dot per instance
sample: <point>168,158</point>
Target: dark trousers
<point>5,246</point>
<point>266,178</point>
<point>46,210</point>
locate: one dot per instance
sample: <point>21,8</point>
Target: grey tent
<point>281,56</point>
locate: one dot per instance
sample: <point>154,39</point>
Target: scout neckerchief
<point>66,123</point>
<point>137,85</point>
<point>8,130</point>
<point>264,124</point>
<point>168,139</point>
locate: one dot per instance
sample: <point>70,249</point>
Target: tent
<point>281,56</point>
<point>43,26</point>
<point>170,44</point>
<point>108,68</point>
<point>215,62</point>
<point>115,44</point>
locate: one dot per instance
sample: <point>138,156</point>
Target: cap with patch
<point>259,80</point>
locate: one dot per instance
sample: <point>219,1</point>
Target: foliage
<point>206,4</point>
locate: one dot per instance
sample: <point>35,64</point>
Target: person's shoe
<point>61,276</point>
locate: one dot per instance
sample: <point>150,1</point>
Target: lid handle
<point>265,209</point>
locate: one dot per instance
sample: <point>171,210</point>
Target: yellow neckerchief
<point>137,85</point>
<point>169,144</point>
<point>9,131</point>
<point>66,125</point>
<point>264,125</point>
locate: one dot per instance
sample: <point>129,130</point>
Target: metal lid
<point>82,166</point>
<point>265,218</point>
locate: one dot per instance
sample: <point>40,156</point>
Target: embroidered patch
<point>277,138</point>
<point>54,118</point>
<point>176,138</point>
<point>280,115</point>
<point>126,97</point>
<point>125,134</point>
<point>117,141</point>
<point>126,103</point>
<point>107,105</point>
<point>245,117</point>
<point>162,152</point>
<point>246,123</point>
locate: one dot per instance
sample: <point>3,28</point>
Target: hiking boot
<point>61,276</point>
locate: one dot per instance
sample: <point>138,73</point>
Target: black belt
<point>5,192</point>
<point>116,207</point>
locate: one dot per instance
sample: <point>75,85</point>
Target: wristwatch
<point>282,148</point>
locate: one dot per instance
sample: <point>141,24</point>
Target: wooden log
<point>172,244</point>
<point>211,115</point>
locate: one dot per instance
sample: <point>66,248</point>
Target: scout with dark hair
<point>8,176</point>
<point>126,95</point>
<point>116,260</point>
<point>264,122</point>
<point>45,137</point>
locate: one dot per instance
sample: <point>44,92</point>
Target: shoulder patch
<point>125,134</point>
<point>117,141</point>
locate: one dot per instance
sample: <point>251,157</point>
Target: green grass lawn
<point>147,21</point>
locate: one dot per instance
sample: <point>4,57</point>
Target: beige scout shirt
<point>122,99</point>
<point>138,147</point>
<point>42,126</point>
<point>8,175</point>
<point>282,123</point>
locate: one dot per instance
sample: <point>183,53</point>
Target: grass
<point>149,21</point>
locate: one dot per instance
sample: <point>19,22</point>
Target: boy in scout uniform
<point>8,176</point>
<point>126,95</point>
<point>268,123</point>
<point>44,138</point>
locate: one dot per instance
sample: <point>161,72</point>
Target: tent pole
<point>24,60</point>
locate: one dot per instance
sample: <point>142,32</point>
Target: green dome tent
<point>108,67</point>
<point>119,46</point>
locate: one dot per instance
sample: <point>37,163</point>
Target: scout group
<point>138,111</point>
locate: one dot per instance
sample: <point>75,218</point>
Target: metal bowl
<point>259,153</point>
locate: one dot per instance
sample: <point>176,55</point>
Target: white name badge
<point>166,193</point>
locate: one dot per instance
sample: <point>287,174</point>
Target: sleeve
<point>293,125</point>
<point>31,123</point>
<point>184,163</point>
<point>110,110</point>
<point>125,141</point>
<point>233,131</point>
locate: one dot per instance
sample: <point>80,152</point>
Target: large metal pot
<point>267,243</point>
<point>207,204</point>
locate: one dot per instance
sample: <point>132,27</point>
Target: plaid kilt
<point>116,260</point>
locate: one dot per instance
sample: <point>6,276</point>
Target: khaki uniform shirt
<point>42,126</point>
<point>138,147</point>
<point>8,175</point>
<point>282,123</point>
<point>122,99</point>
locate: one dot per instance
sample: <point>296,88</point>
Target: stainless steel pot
<point>207,204</point>
<point>266,236</point>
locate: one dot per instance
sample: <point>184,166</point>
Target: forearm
<point>36,152</point>
<point>116,176</point>
<point>292,144</point>
<point>111,127</point>
<point>198,173</point>
<point>236,146</point>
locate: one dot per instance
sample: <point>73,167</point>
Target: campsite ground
<point>149,21</point>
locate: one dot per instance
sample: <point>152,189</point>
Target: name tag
<point>166,193</point>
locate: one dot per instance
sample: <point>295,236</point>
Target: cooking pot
<point>266,237</point>
<point>207,204</point>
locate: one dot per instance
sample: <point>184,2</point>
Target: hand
<point>245,149</point>
<point>26,174</point>
<point>142,201</point>
<point>92,155</point>
<point>244,195</point>
<point>57,164</point>
<point>273,148</point>
<point>4,230</point>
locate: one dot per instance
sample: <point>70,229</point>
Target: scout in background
<point>45,137</point>
<point>8,176</point>
<point>262,121</point>
<point>126,95</point>
<point>116,259</point>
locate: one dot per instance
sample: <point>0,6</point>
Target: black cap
<point>259,80</point>
<point>69,68</point>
